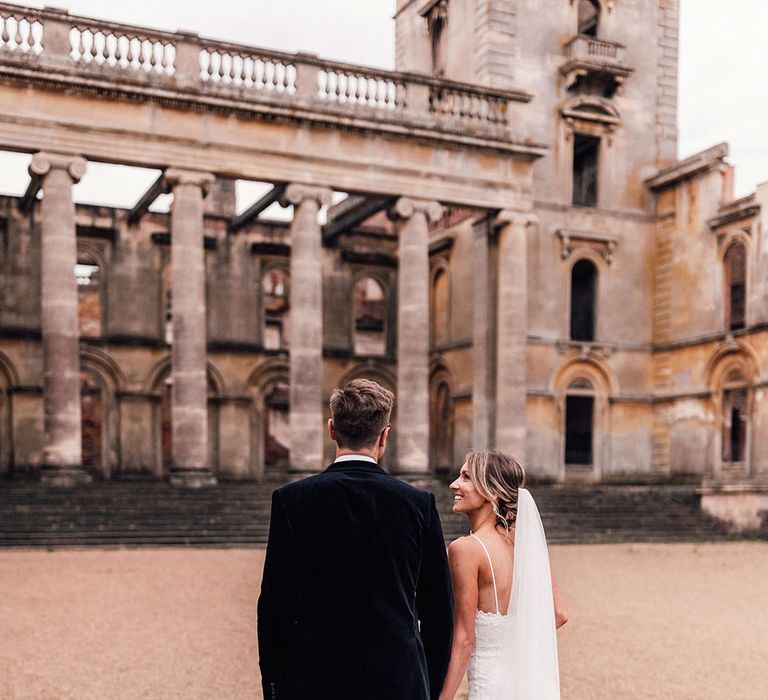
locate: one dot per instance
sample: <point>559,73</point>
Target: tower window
<point>585,155</point>
<point>589,17</point>
<point>735,286</point>
<point>583,300</point>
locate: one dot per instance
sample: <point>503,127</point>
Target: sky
<point>723,91</point>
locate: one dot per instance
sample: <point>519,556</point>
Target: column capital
<point>182,176</point>
<point>406,207</point>
<point>295,193</point>
<point>508,217</point>
<point>43,162</point>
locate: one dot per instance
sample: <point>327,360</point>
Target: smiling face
<point>466,498</point>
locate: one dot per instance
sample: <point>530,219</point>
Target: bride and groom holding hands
<point>359,600</point>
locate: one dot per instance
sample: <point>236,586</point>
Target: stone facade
<point>520,256</point>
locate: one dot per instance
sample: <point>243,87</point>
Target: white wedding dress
<point>515,655</point>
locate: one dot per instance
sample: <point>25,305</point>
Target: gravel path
<point>647,621</point>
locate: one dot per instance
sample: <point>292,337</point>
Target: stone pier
<point>511,332</point>
<point>189,387</point>
<point>62,450</point>
<point>413,217</point>
<point>306,334</point>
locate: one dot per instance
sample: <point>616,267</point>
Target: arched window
<point>583,300</point>
<point>276,428</point>
<point>92,417</point>
<point>735,262</point>
<point>579,423</point>
<point>441,428</point>
<point>589,17</point>
<point>276,301</point>
<point>441,309</point>
<point>735,404</point>
<point>369,332</point>
<point>436,23</point>
<point>88,275</point>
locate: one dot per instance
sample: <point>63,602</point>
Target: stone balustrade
<point>599,50</point>
<point>90,48</point>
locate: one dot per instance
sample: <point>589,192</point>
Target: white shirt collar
<point>355,458</point>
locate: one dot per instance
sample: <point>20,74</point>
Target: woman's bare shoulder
<point>462,548</point>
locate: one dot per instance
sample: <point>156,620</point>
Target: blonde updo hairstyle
<point>497,478</point>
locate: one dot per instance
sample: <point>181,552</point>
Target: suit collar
<point>355,465</point>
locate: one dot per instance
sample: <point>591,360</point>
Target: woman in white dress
<point>507,604</point>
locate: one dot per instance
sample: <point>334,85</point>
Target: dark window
<point>585,153</point>
<point>736,287</point>
<point>734,424</point>
<point>589,17</point>
<point>578,429</point>
<point>583,300</point>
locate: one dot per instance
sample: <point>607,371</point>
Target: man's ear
<point>331,431</point>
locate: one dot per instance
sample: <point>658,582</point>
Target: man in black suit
<point>356,599</point>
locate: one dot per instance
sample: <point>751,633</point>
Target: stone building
<point>520,254</point>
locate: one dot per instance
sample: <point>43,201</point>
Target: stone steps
<point>237,514</point>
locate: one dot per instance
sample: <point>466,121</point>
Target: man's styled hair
<point>360,412</point>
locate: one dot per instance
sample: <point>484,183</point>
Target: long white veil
<point>531,639</point>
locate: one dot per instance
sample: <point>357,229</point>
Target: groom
<point>356,597</point>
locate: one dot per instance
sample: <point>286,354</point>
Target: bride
<point>507,604</point>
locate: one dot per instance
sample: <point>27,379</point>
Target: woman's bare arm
<point>561,609</point>
<point>464,570</point>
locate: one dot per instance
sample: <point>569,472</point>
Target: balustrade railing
<point>590,48</point>
<point>122,48</point>
<point>53,38</point>
<point>21,31</point>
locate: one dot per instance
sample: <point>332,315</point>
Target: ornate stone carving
<point>296,193</point>
<point>405,208</point>
<point>181,176</point>
<point>43,162</point>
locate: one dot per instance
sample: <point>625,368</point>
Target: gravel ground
<point>647,621</point>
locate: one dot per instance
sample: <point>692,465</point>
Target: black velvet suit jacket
<point>356,599</point>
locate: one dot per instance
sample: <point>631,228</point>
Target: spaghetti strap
<point>493,575</point>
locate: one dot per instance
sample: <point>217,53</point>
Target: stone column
<point>62,451</point>
<point>307,428</point>
<point>412,398</point>
<point>482,336</point>
<point>189,381</point>
<point>511,332</point>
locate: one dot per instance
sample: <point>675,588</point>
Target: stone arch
<point>91,289</point>
<point>731,374</point>
<point>269,387</point>
<point>275,295</point>
<point>9,378</point>
<point>158,385</point>
<point>584,384</point>
<point>373,339</point>
<point>442,418</point>
<point>591,108</point>
<point>100,381</point>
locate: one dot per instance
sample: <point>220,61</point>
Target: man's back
<point>356,558</point>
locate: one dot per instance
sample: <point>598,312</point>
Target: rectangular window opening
<point>585,157</point>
